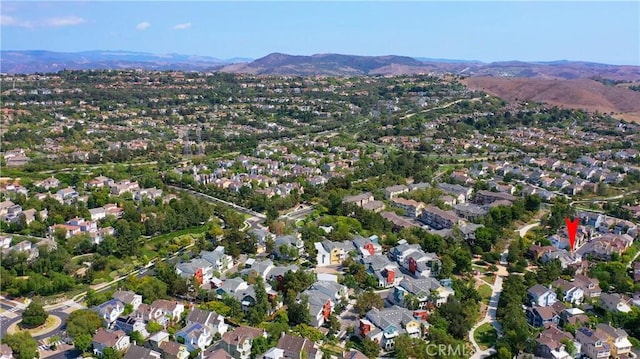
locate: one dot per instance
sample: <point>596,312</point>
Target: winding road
<point>496,290</point>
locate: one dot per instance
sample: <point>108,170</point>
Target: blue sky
<point>607,32</point>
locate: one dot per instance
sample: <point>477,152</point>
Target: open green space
<point>486,336</point>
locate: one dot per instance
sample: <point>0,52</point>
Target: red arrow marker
<point>572,229</point>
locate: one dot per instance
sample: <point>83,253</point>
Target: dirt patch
<point>583,94</point>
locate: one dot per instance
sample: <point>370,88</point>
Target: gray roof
<point>137,352</point>
<point>395,316</point>
<point>422,285</point>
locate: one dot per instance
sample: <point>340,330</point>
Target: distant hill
<point>584,94</point>
<point>330,65</point>
<point>319,64</point>
<point>351,65</point>
<point>50,61</point>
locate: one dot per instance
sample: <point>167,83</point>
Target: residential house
<point>209,319</point>
<point>273,353</point>
<point>199,269</point>
<point>410,207</point>
<point>367,246</point>
<point>128,298</point>
<point>109,311</point>
<point>150,313</point>
<point>239,341</point>
<point>486,197</point>
<point>156,340</point>
<point>298,348</point>
<point>213,353</point>
<point>573,316</point>
<point>436,218</point>
<point>218,259</point>
<point>541,295</point>
<point>195,336</point>
<point>288,247</point>
<point>470,211</point>
<point>123,187</point>
<point>386,272</point>
<point>67,195</point>
<point>460,193</point>
<point>398,221</point>
<point>131,324</point>
<point>539,316</point>
<point>571,291</point>
<point>424,290</point>
<point>354,354</point>
<point>330,253</point>
<point>97,214</point>
<point>618,340</point>
<point>384,325</point>
<point>48,183</point>
<point>550,344</point>
<point>359,200</point>
<point>323,296</point>
<point>103,338</point>
<point>99,182</point>
<point>594,343</point>
<point>394,191</point>
<point>138,352</point>
<point>614,303</point>
<point>421,264</point>
<point>170,309</point>
<point>173,350</point>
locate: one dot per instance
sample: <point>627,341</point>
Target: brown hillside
<point>580,93</point>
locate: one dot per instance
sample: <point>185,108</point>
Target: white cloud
<point>143,25</point>
<point>184,26</point>
<point>64,21</point>
<point>6,20</point>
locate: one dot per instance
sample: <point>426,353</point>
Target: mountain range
<point>574,84</point>
<point>319,64</point>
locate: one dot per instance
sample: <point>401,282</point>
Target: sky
<point>606,32</point>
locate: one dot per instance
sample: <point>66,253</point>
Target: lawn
<point>479,268</point>
<point>488,278</point>
<point>486,336</point>
<point>485,292</point>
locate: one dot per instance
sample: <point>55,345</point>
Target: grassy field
<point>485,292</point>
<point>488,278</point>
<point>486,336</point>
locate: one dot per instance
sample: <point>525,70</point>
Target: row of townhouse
<point>77,226</point>
<point>204,267</point>
<point>200,325</point>
<point>323,297</point>
<point>603,341</point>
<point>13,213</point>
<point>575,291</point>
<point>334,253</point>
<point>32,250</point>
<point>383,326</point>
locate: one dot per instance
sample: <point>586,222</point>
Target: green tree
<point>259,310</point>
<point>298,312</point>
<point>110,353</point>
<point>154,327</point>
<point>259,346</point>
<point>83,322</point>
<point>136,337</point>
<point>82,342</point>
<point>370,348</point>
<point>367,300</point>
<point>22,344</point>
<point>34,315</point>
